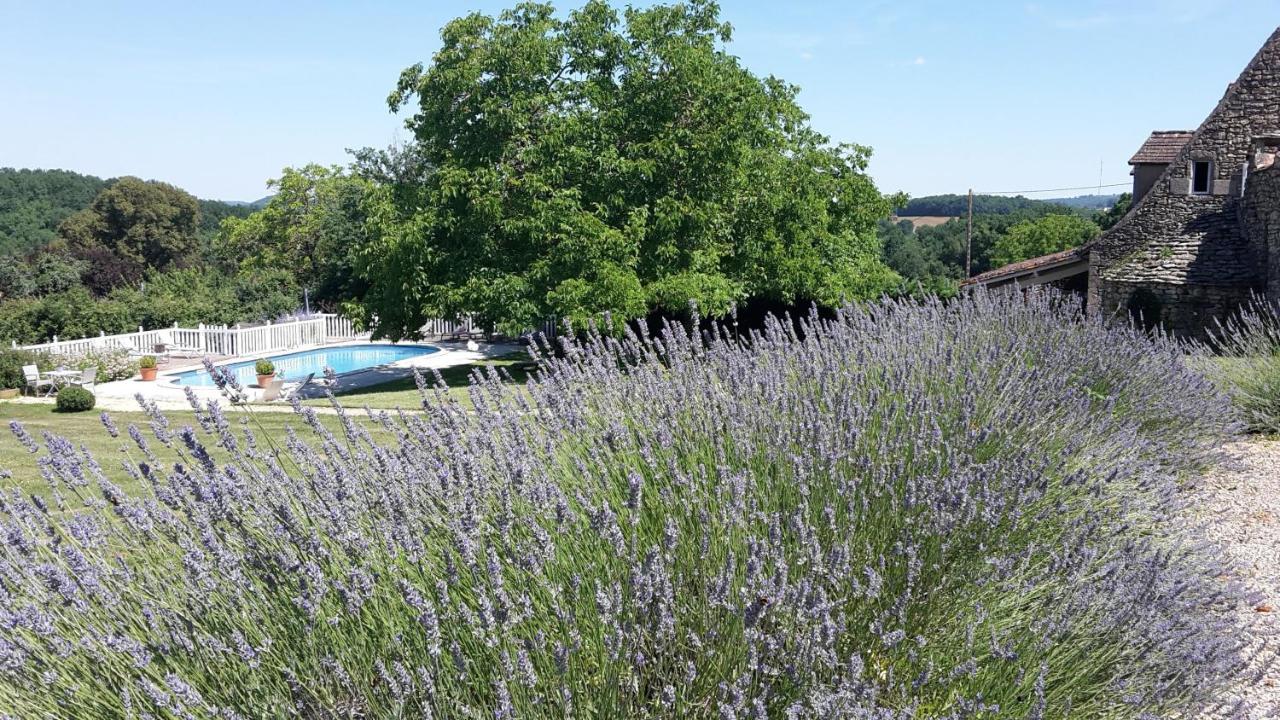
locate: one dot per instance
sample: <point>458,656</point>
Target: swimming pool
<point>296,366</point>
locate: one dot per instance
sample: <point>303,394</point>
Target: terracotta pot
<point>8,393</point>
<point>264,379</point>
<point>148,374</point>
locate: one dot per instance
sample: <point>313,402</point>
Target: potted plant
<point>147,366</point>
<point>266,371</point>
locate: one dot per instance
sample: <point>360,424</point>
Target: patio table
<point>63,378</point>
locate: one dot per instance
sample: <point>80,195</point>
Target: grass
<point>85,430</point>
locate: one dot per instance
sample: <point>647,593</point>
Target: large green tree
<point>132,226</point>
<point>1049,234</point>
<point>311,227</point>
<point>600,162</point>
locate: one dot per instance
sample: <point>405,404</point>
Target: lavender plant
<point>1244,352</point>
<point>914,510</point>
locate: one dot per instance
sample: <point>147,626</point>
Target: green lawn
<point>85,430</point>
<point>403,393</point>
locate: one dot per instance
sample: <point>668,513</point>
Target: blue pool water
<point>295,367</point>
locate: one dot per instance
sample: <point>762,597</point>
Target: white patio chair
<point>272,391</point>
<point>34,382</point>
<point>88,377</point>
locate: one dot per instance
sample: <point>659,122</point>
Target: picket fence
<point>215,339</point>
<point>256,340</point>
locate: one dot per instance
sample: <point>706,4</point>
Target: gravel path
<point>1243,501</point>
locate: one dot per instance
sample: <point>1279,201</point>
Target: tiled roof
<point>1025,266</point>
<point>1161,148</point>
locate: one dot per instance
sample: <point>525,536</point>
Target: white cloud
<point>806,56</point>
<point>918,61</point>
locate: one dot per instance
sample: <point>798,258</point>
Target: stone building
<point>1204,229</point>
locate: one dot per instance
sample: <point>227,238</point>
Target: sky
<point>995,96</point>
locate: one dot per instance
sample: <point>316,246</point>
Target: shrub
<point>147,361</point>
<point>74,399</point>
<point>187,296</point>
<point>264,367</point>
<point>112,363</point>
<point>916,509</point>
<point>11,362</point>
<point>20,320</point>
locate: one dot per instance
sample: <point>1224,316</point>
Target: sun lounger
<point>184,351</point>
<point>293,389</point>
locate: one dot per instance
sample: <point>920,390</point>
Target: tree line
<point>932,259</point>
<point>952,205</point>
<point>134,253</point>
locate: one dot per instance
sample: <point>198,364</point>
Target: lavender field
<point>925,510</point>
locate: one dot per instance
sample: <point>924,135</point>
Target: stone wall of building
<point>1260,220</point>
<point>1186,310</point>
<point>1190,250</point>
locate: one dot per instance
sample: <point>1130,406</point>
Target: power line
<point>1062,189</point>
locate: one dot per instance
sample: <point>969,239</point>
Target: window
<point>1201,177</point>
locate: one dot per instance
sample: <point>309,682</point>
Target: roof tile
<point>1161,148</point>
<point>1024,266</point>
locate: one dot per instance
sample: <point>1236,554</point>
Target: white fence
<point>216,339</point>
<point>256,340</point>
<point>467,326</point>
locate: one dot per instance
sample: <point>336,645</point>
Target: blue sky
<point>217,97</point>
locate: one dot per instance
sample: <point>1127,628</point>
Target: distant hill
<point>957,205</point>
<point>1087,202</point>
<point>213,212</point>
<point>34,202</point>
<point>259,203</point>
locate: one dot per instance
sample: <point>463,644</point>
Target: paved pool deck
<point>120,396</point>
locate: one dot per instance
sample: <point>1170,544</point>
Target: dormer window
<point>1201,177</point>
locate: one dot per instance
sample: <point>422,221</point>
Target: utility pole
<point>968,239</point>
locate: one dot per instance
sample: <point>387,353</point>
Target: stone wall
<point>1175,239</point>
<point>1260,220</point>
<point>1185,310</point>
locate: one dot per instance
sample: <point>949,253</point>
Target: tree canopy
<point>1108,217</point>
<point>952,205</point>
<point>1049,234</point>
<point>605,163</point>
<point>312,227</point>
<point>34,202</point>
<point>134,225</point>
